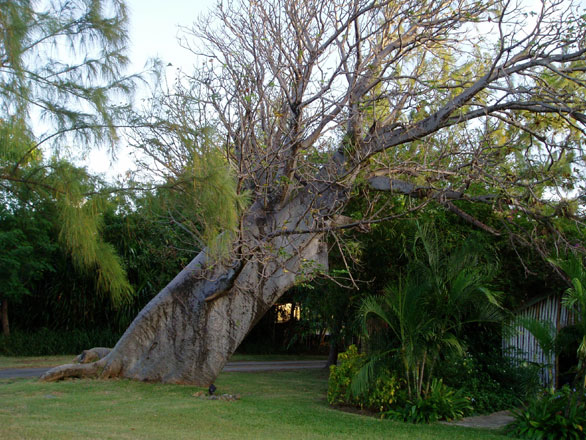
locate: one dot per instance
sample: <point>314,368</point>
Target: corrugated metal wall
<point>523,344</point>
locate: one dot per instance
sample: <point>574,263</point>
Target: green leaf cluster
<point>25,251</point>
<point>62,61</point>
<point>441,403</point>
<point>554,415</point>
<point>380,396</point>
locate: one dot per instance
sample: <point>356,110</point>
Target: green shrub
<point>383,393</point>
<point>386,394</point>
<point>492,381</point>
<point>46,342</point>
<point>478,390</point>
<point>341,376</point>
<point>441,403</point>
<point>555,415</point>
<point>380,394</point>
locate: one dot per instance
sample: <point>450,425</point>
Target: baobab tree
<point>313,102</point>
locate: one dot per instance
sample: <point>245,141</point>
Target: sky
<point>154,26</point>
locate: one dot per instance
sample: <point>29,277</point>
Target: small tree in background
<point>22,260</point>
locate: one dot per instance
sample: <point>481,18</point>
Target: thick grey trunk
<point>187,332</point>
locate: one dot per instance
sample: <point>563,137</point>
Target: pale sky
<point>153,33</point>
<point>154,27</point>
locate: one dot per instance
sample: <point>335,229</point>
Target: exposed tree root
<point>92,355</point>
<point>91,370</point>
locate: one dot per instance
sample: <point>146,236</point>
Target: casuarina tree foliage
<point>60,84</point>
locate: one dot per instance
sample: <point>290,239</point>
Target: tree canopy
<point>443,101</point>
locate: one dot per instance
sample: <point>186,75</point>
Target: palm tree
<point>425,311</point>
<point>402,310</point>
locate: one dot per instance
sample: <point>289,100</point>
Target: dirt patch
<point>357,411</point>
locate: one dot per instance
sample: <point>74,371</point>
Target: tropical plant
<point>440,403</point>
<point>426,310</point>
<point>555,415</point>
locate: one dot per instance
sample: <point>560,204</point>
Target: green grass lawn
<point>274,405</point>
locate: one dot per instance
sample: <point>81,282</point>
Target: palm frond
<point>371,306</point>
<point>543,332</point>
<point>368,373</point>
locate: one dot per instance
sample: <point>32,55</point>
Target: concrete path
<point>496,420</point>
<point>244,366</point>
<point>11,373</point>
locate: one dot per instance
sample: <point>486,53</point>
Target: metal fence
<point>524,346</point>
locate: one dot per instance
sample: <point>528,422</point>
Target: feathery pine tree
<point>60,71</point>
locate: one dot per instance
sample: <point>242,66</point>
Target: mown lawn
<point>274,405</point>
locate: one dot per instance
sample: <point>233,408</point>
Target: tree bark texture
<point>187,333</point>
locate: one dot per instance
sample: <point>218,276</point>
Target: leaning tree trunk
<point>189,330</point>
